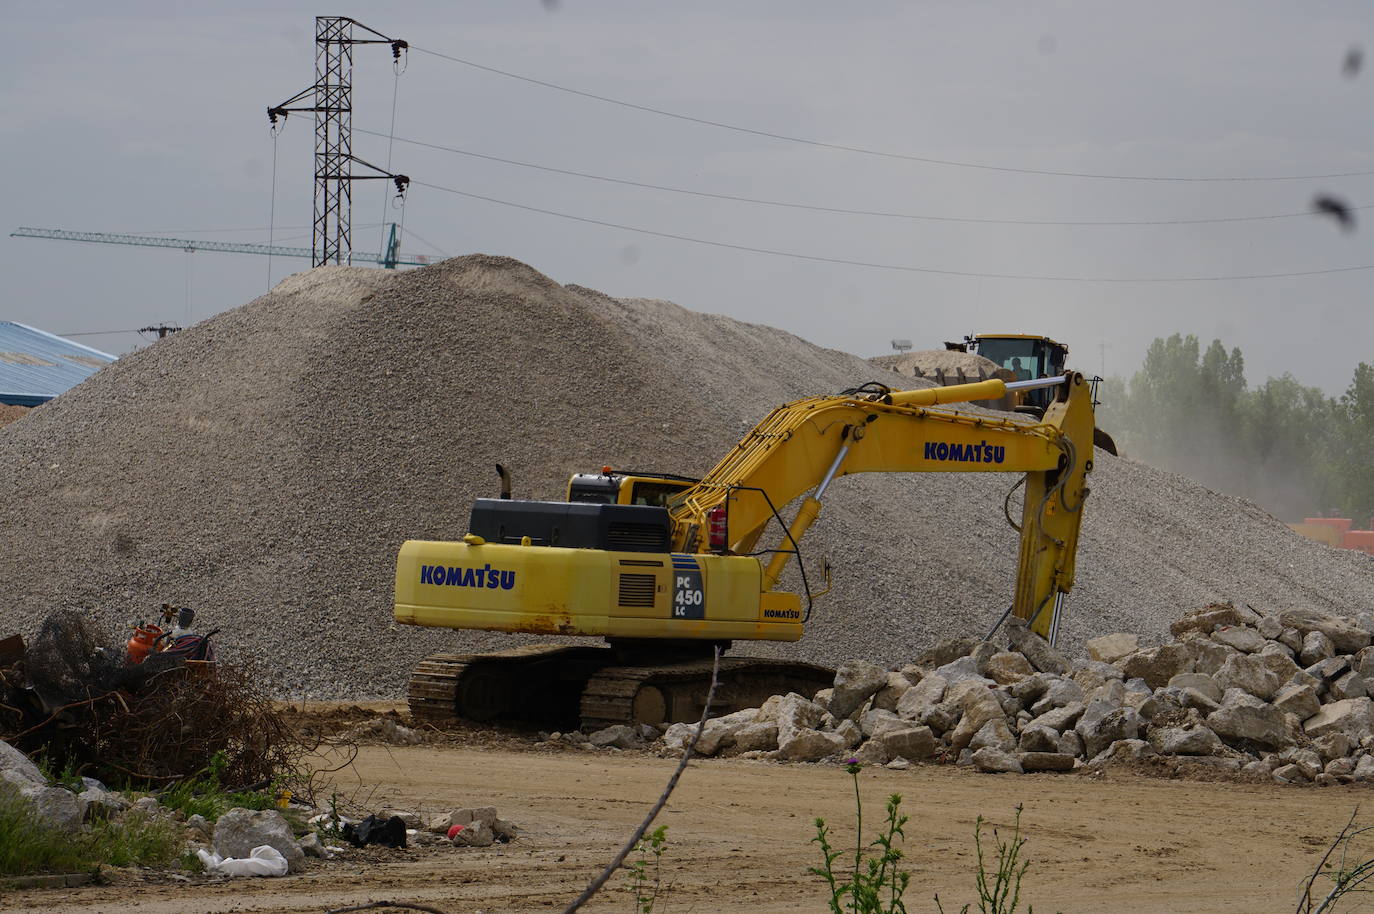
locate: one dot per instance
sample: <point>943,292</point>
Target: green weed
<point>203,795</point>
<point>999,890</point>
<point>876,882</point>
<point>29,846</point>
<point>646,878</point>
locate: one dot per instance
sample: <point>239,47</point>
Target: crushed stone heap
<point>927,362</point>
<point>265,465</point>
<point>1282,697</point>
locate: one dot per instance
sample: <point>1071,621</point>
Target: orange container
<point>1363,540</point>
<point>1342,524</point>
<point>141,644</point>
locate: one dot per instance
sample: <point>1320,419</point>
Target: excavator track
<point>557,685</point>
<point>671,692</point>
<point>499,684</point>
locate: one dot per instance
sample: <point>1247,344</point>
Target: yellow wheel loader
<point>1020,356</point>
<point>665,568</point>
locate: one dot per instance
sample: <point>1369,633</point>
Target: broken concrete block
<point>1208,655</point>
<point>1333,745</point>
<point>1037,650</point>
<point>1298,700</point>
<point>238,831</point>
<point>1111,648</point>
<point>909,743</point>
<point>965,669</point>
<point>475,834</point>
<point>978,710</point>
<point>996,761</point>
<point>1046,761</point>
<point>850,733</point>
<point>886,698</point>
<point>1059,719</point>
<point>1353,716</point>
<point>757,737</point>
<point>1248,673</point>
<point>1289,774</point>
<point>1244,719</point>
<point>921,698</point>
<point>1058,694</point>
<point>809,745</point>
<point>1157,665</point>
<point>621,736</point>
<point>1070,743</point>
<point>1126,750</point>
<point>1346,636</point>
<point>1185,741</point>
<point>795,713</point>
<point>1028,690</point>
<point>946,651</point>
<point>1115,726</point>
<point>1278,661</point>
<point>1315,647</point>
<point>1038,739</point>
<point>872,753</point>
<point>994,733</point>
<point>1350,685</point>
<point>1007,667</point>
<point>856,681</point>
<point>1243,639</point>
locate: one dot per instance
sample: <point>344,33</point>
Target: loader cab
<point>1025,356</point>
<point>628,488</point>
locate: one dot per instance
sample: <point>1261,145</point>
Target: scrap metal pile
<point>74,697</point>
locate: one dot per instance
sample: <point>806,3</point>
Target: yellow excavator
<point>665,568</point>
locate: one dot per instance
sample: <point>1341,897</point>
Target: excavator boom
<point>805,445</point>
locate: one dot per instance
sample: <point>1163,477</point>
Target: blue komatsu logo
<point>486,576</point>
<point>965,453</point>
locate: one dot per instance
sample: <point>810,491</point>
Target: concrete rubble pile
<point>1283,696</point>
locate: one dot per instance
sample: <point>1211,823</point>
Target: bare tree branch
<point>599,881</point>
<point>1305,899</point>
<point>387,904</point>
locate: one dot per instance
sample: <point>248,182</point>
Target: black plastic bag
<point>375,830</point>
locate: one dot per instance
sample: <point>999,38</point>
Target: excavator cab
<point>610,487</point>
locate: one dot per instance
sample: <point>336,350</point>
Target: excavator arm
<point>800,448</point>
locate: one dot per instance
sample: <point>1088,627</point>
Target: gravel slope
<point>264,466</point>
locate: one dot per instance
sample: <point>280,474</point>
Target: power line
<point>952,163</point>
<point>888,266</point>
<point>836,209</point>
<point>431,244</point>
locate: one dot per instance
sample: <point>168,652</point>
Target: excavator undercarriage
<point>566,686</point>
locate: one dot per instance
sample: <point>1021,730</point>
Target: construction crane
<point>389,259</point>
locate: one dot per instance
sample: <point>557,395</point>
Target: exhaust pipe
<point>505,481</point>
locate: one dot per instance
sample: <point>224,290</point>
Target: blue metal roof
<point>36,366</point>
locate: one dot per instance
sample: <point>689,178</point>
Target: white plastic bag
<point>264,860</point>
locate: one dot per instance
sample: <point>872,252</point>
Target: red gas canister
<point>143,641</point>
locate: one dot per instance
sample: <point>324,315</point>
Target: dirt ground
<point>739,834</point>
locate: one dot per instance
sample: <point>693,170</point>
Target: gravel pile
<point>10,413</point>
<point>265,465</point>
<point>926,362</point>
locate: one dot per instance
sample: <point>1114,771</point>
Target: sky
<point>149,117</point>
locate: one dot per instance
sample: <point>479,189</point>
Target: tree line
<point>1290,448</point>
